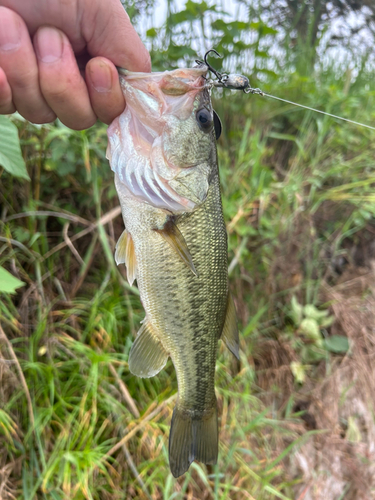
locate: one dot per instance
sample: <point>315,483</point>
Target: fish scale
<point>178,256</point>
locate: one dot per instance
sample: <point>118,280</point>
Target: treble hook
<point>218,75</point>
<point>232,81</point>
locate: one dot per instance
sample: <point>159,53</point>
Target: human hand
<point>42,45</point>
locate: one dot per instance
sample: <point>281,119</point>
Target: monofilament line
<point>261,93</point>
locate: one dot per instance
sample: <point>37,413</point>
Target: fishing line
<point>241,82</point>
<point>249,90</point>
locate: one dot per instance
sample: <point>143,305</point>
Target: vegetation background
<point>297,414</point>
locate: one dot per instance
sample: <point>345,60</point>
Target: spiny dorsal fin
<point>147,355</point>
<point>125,254</point>
<point>230,330</point>
<point>174,238</point>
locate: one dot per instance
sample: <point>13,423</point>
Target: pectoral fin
<point>230,330</point>
<point>174,238</point>
<point>125,254</point>
<point>147,354</point>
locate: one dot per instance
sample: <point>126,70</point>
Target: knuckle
<point>7,109</point>
<point>47,117</point>
<point>24,81</point>
<point>79,123</point>
<point>60,90</point>
<point>58,95</point>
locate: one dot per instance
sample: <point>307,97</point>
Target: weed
<point>299,204</point>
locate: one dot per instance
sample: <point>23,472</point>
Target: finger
<point>109,33</point>
<point>104,89</point>
<point>6,105</point>
<point>18,61</point>
<point>60,80</point>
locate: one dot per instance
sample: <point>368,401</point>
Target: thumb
<point>108,32</point>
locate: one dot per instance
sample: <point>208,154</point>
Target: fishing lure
<point>241,82</point>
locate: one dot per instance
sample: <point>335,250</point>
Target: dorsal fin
<point>147,355</point>
<point>174,238</point>
<point>125,254</point>
<point>230,330</point>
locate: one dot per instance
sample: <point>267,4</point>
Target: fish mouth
<point>182,78</point>
<point>153,96</point>
<point>136,149</point>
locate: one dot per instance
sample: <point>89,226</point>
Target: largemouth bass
<point>162,150</point>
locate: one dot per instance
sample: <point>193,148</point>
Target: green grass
<point>74,423</point>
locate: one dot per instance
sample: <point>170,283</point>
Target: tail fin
<point>192,438</point>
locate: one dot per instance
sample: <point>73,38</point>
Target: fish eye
<point>204,119</point>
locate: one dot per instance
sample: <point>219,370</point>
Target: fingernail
<point>10,30</point>
<point>101,77</point>
<point>49,44</point>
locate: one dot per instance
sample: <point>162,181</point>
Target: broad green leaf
<point>239,25</point>
<point>337,343</point>
<point>311,328</point>
<point>266,30</point>
<point>8,283</point>
<point>219,24</point>
<point>263,29</point>
<point>10,151</point>
<point>151,33</point>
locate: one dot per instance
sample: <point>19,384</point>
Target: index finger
<point>109,33</point>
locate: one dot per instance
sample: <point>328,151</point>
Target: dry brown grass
<point>338,396</point>
<point>341,462</point>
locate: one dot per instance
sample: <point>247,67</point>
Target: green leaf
<point>311,311</point>
<point>219,24</point>
<point>296,311</point>
<point>151,33</point>
<point>261,53</point>
<point>298,371</point>
<point>8,283</point>
<point>263,29</point>
<point>326,322</point>
<point>311,328</point>
<point>337,343</point>
<point>311,353</point>
<point>10,151</point>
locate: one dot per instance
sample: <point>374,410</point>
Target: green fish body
<point>163,152</point>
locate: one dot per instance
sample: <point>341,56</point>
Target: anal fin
<point>125,254</point>
<point>230,329</point>
<point>147,355</point>
<point>175,239</point>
